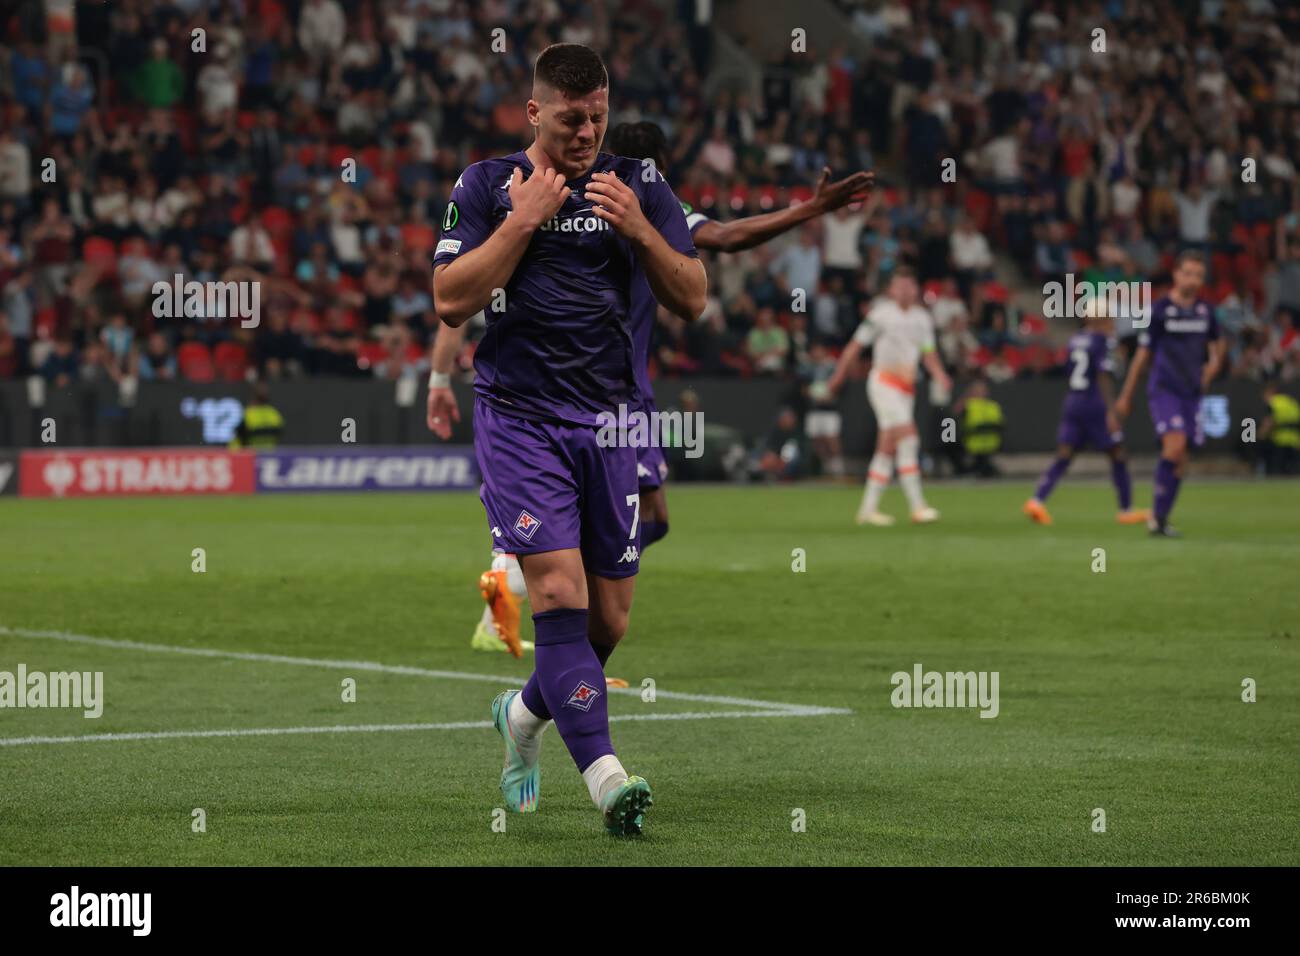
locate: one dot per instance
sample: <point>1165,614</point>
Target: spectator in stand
<point>400,359</point>
<point>15,168</point>
<point>11,351</point>
<point>158,81</point>
<point>321,29</point>
<point>841,242</point>
<point>335,349</point>
<point>61,366</point>
<point>767,344</point>
<point>70,101</point>
<point>250,244</point>
<point>799,265</point>
<point>156,362</point>
<point>1053,256</point>
<point>972,259</point>
<point>278,350</point>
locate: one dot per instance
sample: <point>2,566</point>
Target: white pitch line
<point>378,667</point>
<point>375,728</point>
<point>758,708</point>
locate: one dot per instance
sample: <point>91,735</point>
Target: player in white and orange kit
<point>901,335</point>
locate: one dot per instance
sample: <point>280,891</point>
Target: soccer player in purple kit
<point>646,141</point>
<point>1183,347</point>
<point>554,234</point>
<point>497,629</point>
<point>1088,418</point>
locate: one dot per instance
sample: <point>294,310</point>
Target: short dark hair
<point>638,141</point>
<point>571,68</point>
<point>1189,255</point>
<point>903,272</point>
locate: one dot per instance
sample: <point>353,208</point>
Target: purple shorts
<point>651,468</point>
<point>1174,413</point>
<point>549,486</point>
<point>1083,423</point>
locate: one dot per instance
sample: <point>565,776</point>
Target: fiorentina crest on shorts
<point>583,696</point>
<point>527,525</point>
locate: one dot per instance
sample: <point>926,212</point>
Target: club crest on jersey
<point>527,525</point>
<point>583,696</point>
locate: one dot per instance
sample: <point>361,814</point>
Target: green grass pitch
<point>1119,690</point>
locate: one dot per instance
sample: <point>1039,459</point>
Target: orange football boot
<point>505,608</point>
<point>1037,512</point>
<point>1134,516</point>
<point>616,682</point>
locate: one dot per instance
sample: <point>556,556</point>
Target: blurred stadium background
<point>226,162</point>
<point>222,623</point>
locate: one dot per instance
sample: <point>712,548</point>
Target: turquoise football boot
<point>519,782</point>
<point>625,807</point>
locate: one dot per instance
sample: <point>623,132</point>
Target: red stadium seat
<point>100,251</point>
<point>47,319</point>
<point>1032,325</point>
<point>278,221</point>
<point>995,292</point>
<point>418,237</point>
<point>231,361</point>
<point>195,362</point>
<point>371,354</point>
<point>1013,357</point>
<point>1220,264</point>
<point>979,206</point>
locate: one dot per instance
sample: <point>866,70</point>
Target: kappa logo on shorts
<point>629,555</point>
<point>583,696</point>
<point>527,525</point>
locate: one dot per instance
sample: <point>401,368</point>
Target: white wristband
<point>439,380</point>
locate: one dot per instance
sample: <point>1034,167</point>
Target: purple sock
<point>1166,489</point>
<point>1051,477</point>
<point>652,531</point>
<point>572,683</point>
<point>533,699</point>
<point>1123,487</point>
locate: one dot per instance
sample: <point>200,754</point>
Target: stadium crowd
<point>234,162</point>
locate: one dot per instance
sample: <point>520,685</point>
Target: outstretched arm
<point>741,234</point>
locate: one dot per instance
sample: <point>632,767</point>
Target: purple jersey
<point>1178,338</point>
<point>1089,357</point>
<point>561,348</point>
<point>642,317</point>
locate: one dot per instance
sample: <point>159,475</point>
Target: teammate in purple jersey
<point>501,586</point>
<point>548,239</point>
<point>1183,347</point>
<point>1088,418</point>
<point>646,141</point>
